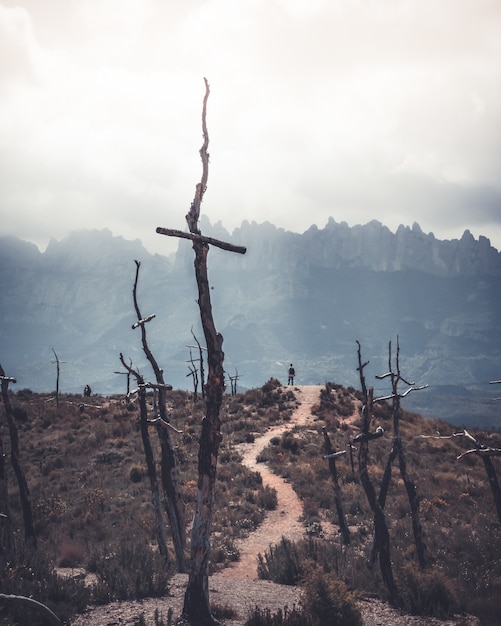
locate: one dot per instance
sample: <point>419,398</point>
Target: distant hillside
<point>301,298</point>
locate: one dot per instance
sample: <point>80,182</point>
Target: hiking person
<point>292,373</point>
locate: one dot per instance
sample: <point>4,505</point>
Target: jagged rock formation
<point>304,298</point>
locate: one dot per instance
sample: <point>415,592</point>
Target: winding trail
<point>238,586</point>
<point>284,520</point>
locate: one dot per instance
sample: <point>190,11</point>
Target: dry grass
<point>89,485</point>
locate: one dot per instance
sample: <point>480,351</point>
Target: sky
<point>351,109</point>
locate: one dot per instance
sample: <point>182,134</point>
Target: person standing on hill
<point>292,373</point>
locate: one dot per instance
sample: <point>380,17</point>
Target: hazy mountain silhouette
<point>301,298</point>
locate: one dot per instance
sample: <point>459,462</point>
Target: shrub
<point>267,498</point>
<point>136,474</point>
<point>428,593</point>
<point>280,564</point>
<point>223,612</point>
<point>327,600</point>
<point>130,571</point>
<point>32,574</point>
<point>287,617</point>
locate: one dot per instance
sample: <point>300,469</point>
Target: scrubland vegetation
<point>91,500</point>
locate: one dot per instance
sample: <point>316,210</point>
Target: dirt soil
<point>238,587</point>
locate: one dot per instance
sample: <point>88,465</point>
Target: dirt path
<point>284,520</point>
<point>238,586</point>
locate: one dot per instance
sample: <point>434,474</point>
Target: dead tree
<point>331,456</point>
<point>47,615</point>
<point>170,479</point>
<point>126,373</point>
<point>485,453</point>
<point>24,492</point>
<point>381,534</point>
<point>495,382</point>
<point>201,361</point>
<point>196,608</point>
<point>58,363</point>
<point>5,525</point>
<point>193,373</point>
<point>233,382</point>
<point>398,451</point>
<point>150,460</point>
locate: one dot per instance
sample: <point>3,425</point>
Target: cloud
<point>359,111</point>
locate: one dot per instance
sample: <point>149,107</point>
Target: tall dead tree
<point>381,534</point>
<point>58,371</point>
<point>170,478</point>
<point>194,375</point>
<point>24,492</point>
<point>128,374</point>
<point>234,382</point>
<point>196,608</point>
<point>5,525</point>
<point>150,460</point>
<point>397,450</point>
<point>485,453</point>
<point>201,362</point>
<point>331,456</point>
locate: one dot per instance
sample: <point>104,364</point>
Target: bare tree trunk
<point>493,482</point>
<point>5,523</point>
<point>201,357</point>
<point>343,526</point>
<point>57,377</point>
<point>150,463</point>
<point>381,534</point>
<point>24,492</point>
<point>398,450</point>
<point>196,609</point>
<point>174,504</point>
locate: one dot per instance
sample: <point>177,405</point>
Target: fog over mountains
<point>300,298</point>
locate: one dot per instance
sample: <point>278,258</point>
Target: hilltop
<point>85,468</point>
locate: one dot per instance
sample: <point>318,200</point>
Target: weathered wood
<point>201,356</point>
<point>8,379</point>
<point>58,371</point>
<point>145,320</point>
<point>229,247</point>
<point>196,607</point>
<point>173,500</point>
<point>24,492</point>
<point>485,453</point>
<point>397,451</point>
<point>331,457</point>
<point>49,616</point>
<point>379,432</point>
<point>150,463</point>
<point>381,534</point>
<point>5,521</point>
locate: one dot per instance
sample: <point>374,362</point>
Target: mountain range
<point>294,298</point>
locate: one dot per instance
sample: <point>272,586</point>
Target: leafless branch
<point>161,422</point>
<point>51,617</point>
<point>8,379</point>
<point>146,319</point>
<point>399,395</point>
<point>333,455</point>
<point>172,232</point>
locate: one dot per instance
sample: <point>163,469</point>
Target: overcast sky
<point>355,109</point>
